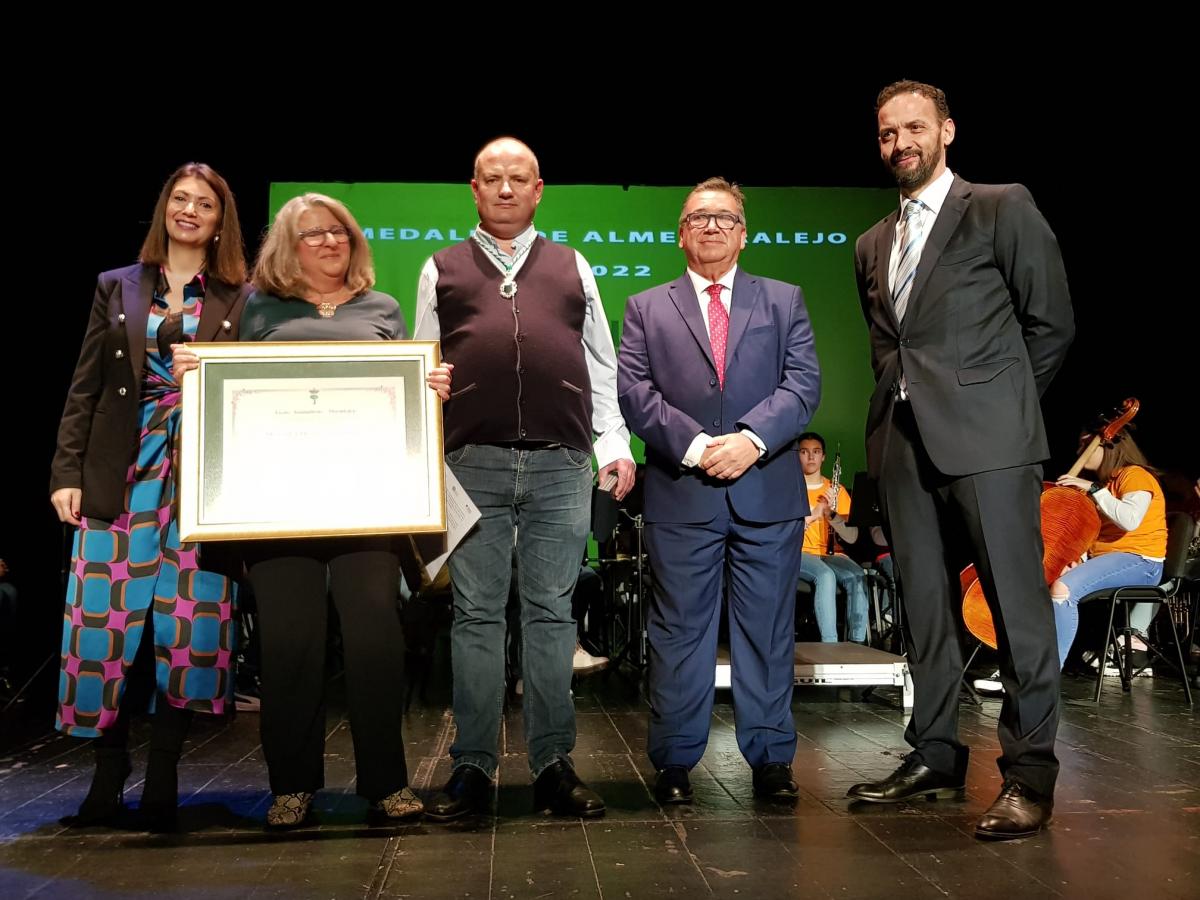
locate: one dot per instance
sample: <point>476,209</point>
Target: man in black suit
<point>966,301</point>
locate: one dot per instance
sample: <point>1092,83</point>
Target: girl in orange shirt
<point>1132,543</point>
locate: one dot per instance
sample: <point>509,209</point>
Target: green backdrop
<point>801,235</point>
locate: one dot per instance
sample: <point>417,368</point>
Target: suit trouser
<point>692,564</point>
<point>997,513</point>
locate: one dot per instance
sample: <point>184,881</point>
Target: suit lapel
<point>746,291</point>
<point>136,293</point>
<point>683,295</point>
<point>884,237</point>
<point>214,314</point>
<point>944,226</point>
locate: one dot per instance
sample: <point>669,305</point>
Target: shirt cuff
<point>611,446</point>
<point>757,441</point>
<point>695,450</point>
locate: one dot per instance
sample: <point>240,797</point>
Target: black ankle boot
<point>159,809</point>
<point>106,797</point>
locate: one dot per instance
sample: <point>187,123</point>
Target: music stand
<point>864,515</point>
<point>627,638</point>
<point>864,502</point>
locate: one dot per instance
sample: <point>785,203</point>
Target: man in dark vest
<point>534,381</point>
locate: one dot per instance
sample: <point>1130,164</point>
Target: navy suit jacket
<point>668,391</point>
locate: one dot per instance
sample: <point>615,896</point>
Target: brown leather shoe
<point>1018,812</point>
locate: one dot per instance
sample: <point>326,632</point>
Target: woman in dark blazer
<point>144,620</point>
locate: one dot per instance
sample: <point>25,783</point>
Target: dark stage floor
<point>1127,821</point>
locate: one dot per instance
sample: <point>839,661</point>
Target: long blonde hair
<point>277,270</point>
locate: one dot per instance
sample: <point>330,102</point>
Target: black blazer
<point>987,326</point>
<point>98,435</point>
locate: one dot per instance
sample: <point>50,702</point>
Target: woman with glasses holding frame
<point>313,282</point>
<point>144,621</point>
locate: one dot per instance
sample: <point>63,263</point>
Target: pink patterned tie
<point>718,329</point>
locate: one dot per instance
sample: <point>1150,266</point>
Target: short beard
<point>909,179</point>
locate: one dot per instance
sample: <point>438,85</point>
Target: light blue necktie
<point>912,239</point>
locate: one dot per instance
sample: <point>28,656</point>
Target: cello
<point>1070,524</point>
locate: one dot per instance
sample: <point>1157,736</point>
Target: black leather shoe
<point>912,780</point>
<point>559,790</point>
<point>1018,812</point>
<point>774,782</point>
<point>465,793</point>
<point>673,786</point>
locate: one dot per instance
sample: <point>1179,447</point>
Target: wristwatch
<point>1096,486</point>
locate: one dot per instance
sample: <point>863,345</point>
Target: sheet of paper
<point>461,516</point>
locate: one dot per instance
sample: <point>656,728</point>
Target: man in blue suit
<point>717,373</point>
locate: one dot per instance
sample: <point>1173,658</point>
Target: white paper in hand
<point>461,516</point>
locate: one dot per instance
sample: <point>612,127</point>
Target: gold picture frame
<point>310,439</point>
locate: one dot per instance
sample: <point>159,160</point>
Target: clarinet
<point>835,485</point>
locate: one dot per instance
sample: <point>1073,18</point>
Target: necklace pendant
<point>508,289</point>
<point>326,310</point>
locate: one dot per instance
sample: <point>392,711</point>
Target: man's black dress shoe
<point>774,781</point>
<point>913,779</point>
<point>466,792</point>
<point>673,786</point>
<point>559,790</point>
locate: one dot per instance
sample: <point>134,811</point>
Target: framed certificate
<point>310,439</point>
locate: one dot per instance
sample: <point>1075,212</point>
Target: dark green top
<point>369,316</point>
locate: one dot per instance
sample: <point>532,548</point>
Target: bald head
<point>507,187</point>
<point>506,147</point>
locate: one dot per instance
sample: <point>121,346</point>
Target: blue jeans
<point>825,573</point>
<point>546,496</point>
<point>1108,571</point>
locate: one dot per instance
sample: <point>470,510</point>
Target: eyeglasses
<point>315,237</point>
<point>201,205</point>
<point>699,220</point>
